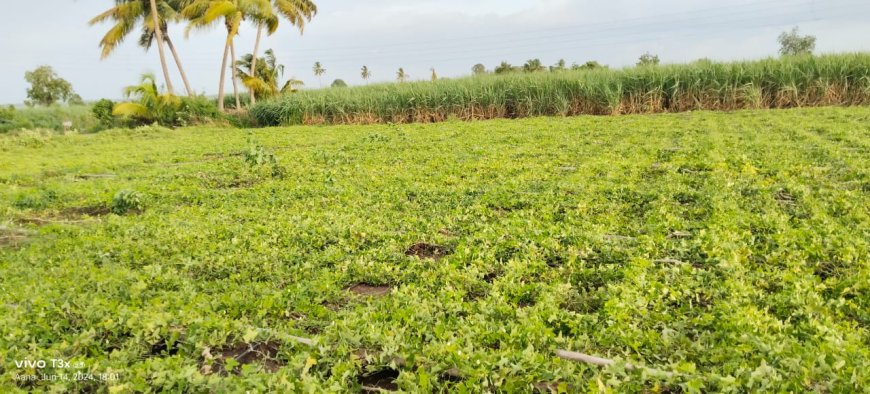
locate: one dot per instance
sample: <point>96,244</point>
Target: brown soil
<point>368,290</point>
<point>74,216</point>
<point>77,212</point>
<point>263,353</point>
<point>382,380</point>
<point>451,375</point>
<point>95,176</point>
<point>491,277</point>
<point>427,251</point>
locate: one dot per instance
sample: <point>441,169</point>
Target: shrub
<point>648,59</point>
<point>127,201</point>
<point>258,157</point>
<point>7,113</point>
<point>196,110</point>
<point>102,111</point>
<point>7,119</point>
<point>41,200</point>
<point>590,65</point>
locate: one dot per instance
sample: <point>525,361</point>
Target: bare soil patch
<point>491,277</point>
<point>427,251</point>
<point>95,176</point>
<point>383,380</point>
<point>367,290</point>
<point>263,353</point>
<point>78,212</point>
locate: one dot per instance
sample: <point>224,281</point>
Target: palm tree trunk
<point>235,82</point>
<point>254,61</point>
<point>180,69</point>
<point>223,76</point>
<point>159,33</point>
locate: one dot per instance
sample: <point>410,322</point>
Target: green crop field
<point>701,251</point>
<point>787,82</point>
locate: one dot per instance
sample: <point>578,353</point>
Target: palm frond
<point>297,12</point>
<point>133,110</point>
<point>218,9</point>
<point>114,37</point>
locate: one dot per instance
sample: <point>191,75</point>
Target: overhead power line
<point>715,13</point>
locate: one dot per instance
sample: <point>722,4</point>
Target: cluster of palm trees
<point>265,15</point>
<point>366,73</point>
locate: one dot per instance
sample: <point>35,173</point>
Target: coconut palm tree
<point>319,71</point>
<point>401,76</point>
<point>533,65</point>
<point>150,104</point>
<point>155,19</point>
<point>365,73</point>
<point>504,68</point>
<point>297,12</point>
<point>292,85</point>
<point>263,81</point>
<point>205,13</point>
<point>126,14</point>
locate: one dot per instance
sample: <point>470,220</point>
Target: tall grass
<point>842,79</point>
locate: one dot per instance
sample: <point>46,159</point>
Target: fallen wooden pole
<point>603,362</point>
<point>585,358</point>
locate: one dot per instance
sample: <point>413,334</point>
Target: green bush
<point>258,157</point>
<point>102,111</point>
<point>41,199</point>
<point>196,110</point>
<point>7,113</point>
<point>127,201</point>
<point>7,119</point>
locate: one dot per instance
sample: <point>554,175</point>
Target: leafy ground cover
<point>716,251</point>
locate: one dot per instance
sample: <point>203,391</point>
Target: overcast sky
<point>448,35</point>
